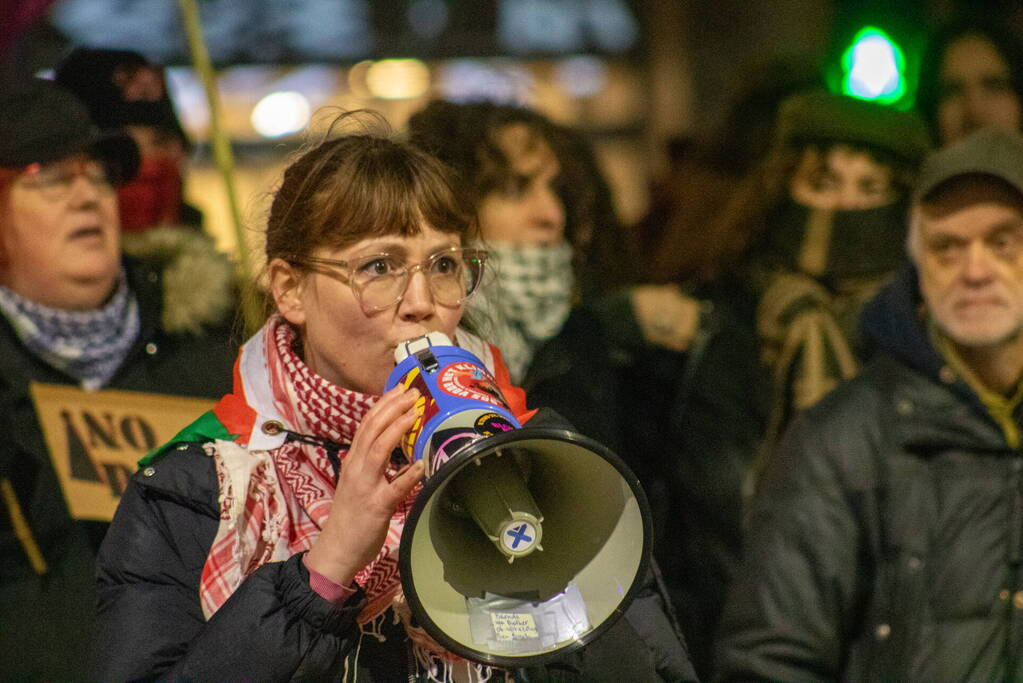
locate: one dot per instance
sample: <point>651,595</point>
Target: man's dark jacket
<point>46,620</point>
<point>886,542</point>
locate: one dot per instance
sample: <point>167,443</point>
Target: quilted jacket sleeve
<point>274,627</point>
<point>797,599</point>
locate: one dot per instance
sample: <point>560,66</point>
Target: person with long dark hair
<point>971,77</point>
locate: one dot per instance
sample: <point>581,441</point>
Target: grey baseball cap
<point>993,152</point>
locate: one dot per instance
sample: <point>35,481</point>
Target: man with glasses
<point>74,310</point>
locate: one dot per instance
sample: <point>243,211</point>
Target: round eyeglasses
<point>380,280</point>
<point>54,181</point>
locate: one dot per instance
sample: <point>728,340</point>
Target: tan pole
<point>223,157</point>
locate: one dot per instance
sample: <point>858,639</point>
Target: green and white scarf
<point>528,300</point>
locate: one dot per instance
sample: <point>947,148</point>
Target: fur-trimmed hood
<point>199,283</point>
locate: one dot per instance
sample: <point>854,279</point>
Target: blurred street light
<point>398,79</point>
<point>281,113</point>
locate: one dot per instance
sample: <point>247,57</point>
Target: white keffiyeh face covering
<point>528,300</point>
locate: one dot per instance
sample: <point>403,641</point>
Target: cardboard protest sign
<point>95,439</point>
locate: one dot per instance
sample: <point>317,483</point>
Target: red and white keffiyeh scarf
<point>275,495</point>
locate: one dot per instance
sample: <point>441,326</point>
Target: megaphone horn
<point>524,542</point>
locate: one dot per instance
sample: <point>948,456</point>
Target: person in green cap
<point>884,542</point>
<point>820,226</point>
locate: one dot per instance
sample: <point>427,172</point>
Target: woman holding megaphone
<point>263,542</point>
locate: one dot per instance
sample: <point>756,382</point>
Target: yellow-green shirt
<point>1000,407</point>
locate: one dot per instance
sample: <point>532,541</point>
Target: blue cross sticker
<point>519,536</point>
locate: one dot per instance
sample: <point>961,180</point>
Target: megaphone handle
<point>427,360</point>
<point>412,346</point>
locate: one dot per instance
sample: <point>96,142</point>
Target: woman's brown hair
<point>345,189</point>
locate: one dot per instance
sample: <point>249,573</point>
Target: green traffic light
<point>874,67</point>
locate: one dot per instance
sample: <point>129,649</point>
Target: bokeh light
<point>398,79</point>
<point>873,66</point>
<point>281,113</point>
<point>581,76</point>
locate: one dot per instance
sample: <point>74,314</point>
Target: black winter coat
<point>886,541</point>
<point>275,627</point>
<point>688,424</point>
<point>46,621</point>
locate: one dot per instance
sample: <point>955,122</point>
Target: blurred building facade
<point>631,74</point>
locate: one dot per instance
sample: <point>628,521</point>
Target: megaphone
<point>525,543</point>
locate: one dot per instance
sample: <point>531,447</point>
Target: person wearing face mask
<point>124,90</point>
<point>823,220</point>
<point>884,544</point>
<point>265,539</point>
<point>76,311</point>
<point>509,158</point>
<point>573,323</point>
<point>971,77</point>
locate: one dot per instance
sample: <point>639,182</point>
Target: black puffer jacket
<point>275,627</point>
<point>886,542</point>
<point>688,424</point>
<point>46,620</point>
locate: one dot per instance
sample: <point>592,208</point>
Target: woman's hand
<point>365,500</point>
<point>666,316</point>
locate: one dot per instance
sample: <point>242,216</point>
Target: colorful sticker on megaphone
<point>468,380</point>
<point>446,442</point>
<point>426,406</point>
<point>492,424</point>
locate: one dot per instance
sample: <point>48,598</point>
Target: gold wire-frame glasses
<point>380,280</point>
